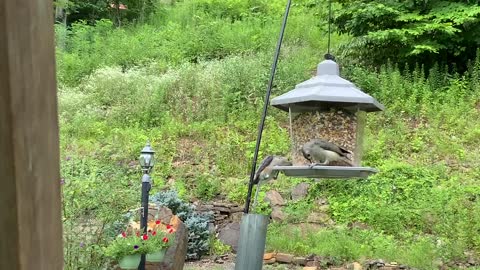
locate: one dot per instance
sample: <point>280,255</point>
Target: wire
<point>265,107</point>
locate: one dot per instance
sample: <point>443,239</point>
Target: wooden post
<point>30,217</point>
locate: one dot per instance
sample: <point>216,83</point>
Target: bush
<point>197,224</point>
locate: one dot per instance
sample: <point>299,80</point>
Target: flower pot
<point>156,256</point>
<point>130,261</point>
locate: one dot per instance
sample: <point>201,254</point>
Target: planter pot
<point>156,256</point>
<point>130,261</point>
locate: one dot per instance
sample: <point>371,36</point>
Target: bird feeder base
<point>326,171</point>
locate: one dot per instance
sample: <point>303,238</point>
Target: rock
<point>310,268</point>
<point>312,264</point>
<point>321,201</point>
<point>268,256</point>
<point>358,225</point>
<point>300,191</point>
<point>274,198</point>
<point>175,255</point>
<point>222,209</point>
<point>236,217</point>
<point>320,218</point>
<point>299,261</point>
<point>357,266</point>
<point>204,207</point>
<point>230,234</point>
<point>278,215</point>
<point>284,258</point>
<point>236,209</point>
<point>323,208</point>
<point>271,261</point>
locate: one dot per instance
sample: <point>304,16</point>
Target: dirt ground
<point>230,265</point>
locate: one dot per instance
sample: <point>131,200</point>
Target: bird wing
<point>265,162</point>
<point>332,147</point>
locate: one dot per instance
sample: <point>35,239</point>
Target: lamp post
<point>146,162</point>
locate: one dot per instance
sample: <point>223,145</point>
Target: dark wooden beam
<point>30,217</point>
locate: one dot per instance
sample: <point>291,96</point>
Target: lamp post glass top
<point>147,159</point>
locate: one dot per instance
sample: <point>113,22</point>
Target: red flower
<point>145,237</point>
<point>157,221</point>
<point>154,233</point>
<point>171,230</point>
<point>124,234</point>
<point>169,227</point>
<point>149,230</point>
<point>165,240</point>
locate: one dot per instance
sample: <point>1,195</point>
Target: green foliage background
<point>191,78</point>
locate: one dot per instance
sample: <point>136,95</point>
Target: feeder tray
<point>326,171</point>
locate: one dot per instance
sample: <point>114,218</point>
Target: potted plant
<point>126,249</point>
<point>159,240</point>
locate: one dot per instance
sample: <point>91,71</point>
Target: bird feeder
<point>331,108</point>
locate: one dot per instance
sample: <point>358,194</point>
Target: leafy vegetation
<point>426,32</point>
<point>192,78</point>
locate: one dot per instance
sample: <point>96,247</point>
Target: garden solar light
<point>147,158</point>
<point>146,162</point>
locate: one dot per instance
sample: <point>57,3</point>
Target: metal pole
<point>146,185</point>
<point>265,107</point>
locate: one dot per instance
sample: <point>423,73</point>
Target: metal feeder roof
<point>324,91</point>
<point>326,171</point>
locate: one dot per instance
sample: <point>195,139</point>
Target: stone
<point>278,215</point>
<point>270,261</point>
<point>310,268</point>
<point>299,261</point>
<point>312,264</point>
<point>230,234</point>
<point>320,218</point>
<point>274,198</point>
<point>284,258</point>
<point>236,209</point>
<point>358,225</point>
<point>175,255</point>
<point>323,208</point>
<point>268,256</point>
<point>357,266</point>
<point>222,209</point>
<point>321,201</point>
<point>236,217</point>
<point>300,191</point>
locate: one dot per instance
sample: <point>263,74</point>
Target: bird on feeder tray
<point>265,172</point>
<point>321,152</point>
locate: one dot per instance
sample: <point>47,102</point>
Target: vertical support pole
<point>146,185</point>
<point>265,107</point>
<point>251,246</point>
<point>30,207</point>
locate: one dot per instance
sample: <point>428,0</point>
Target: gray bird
<point>265,172</point>
<point>321,152</point>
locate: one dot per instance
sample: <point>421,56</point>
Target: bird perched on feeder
<point>265,171</point>
<point>321,152</point>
